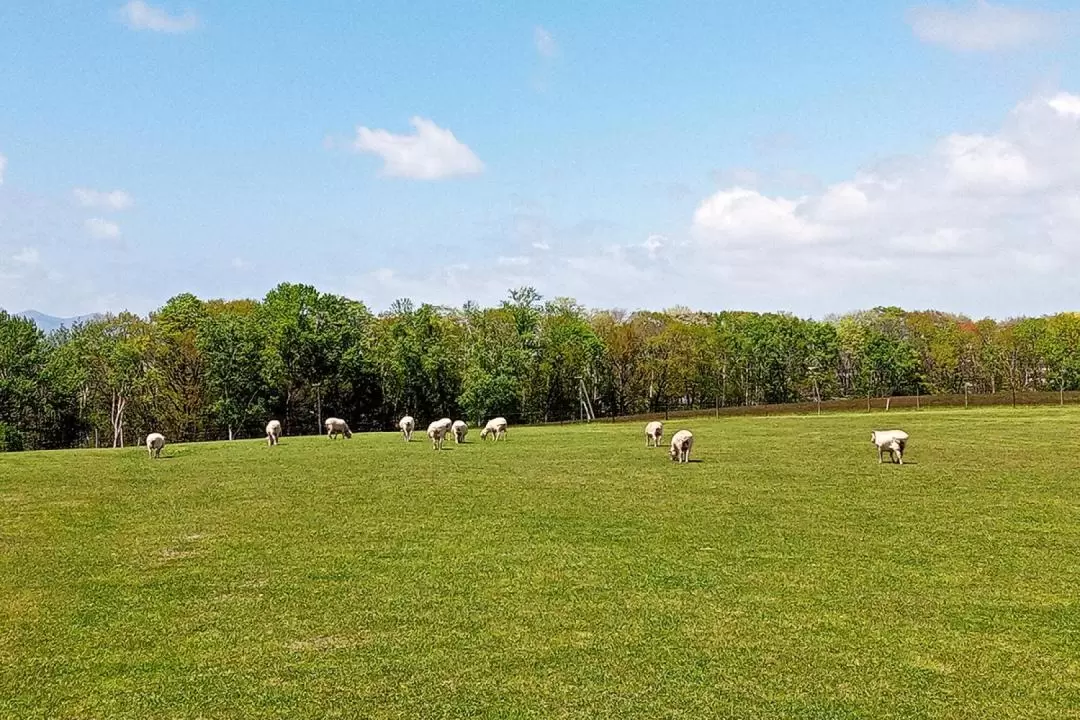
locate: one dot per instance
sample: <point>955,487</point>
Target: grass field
<point>568,572</point>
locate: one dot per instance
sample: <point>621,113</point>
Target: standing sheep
<point>273,432</point>
<point>653,432</point>
<point>337,426</point>
<point>892,440</point>
<point>496,427</point>
<point>407,424</point>
<point>437,432</point>
<point>681,442</point>
<point>460,429</point>
<point>155,442</point>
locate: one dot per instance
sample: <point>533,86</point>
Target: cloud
<point>429,154</point>
<point>983,26</point>
<point>973,213</point>
<point>3,167</point>
<point>544,42</point>
<point>140,15</point>
<point>102,229</point>
<point>738,216</point>
<point>112,200</point>
<point>26,256</point>
<point>984,223</point>
<point>653,244</point>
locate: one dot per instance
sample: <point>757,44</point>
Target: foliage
<point>198,369</point>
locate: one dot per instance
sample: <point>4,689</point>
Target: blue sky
<point>809,157</point>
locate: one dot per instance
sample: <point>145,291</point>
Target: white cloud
<point>102,229</point>
<point>26,256</point>
<point>1065,104</point>
<point>515,261</point>
<point>653,244</point>
<point>975,213</point>
<point>429,154</point>
<point>983,26</point>
<point>140,15</point>
<point>545,42</point>
<point>738,215</point>
<point>3,167</point>
<point>111,200</point>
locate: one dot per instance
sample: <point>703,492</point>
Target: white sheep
<point>273,432</point>
<point>155,442</point>
<point>681,442</point>
<point>337,426</point>
<point>653,432</point>
<point>407,425</point>
<point>460,429</point>
<point>437,432</point>
<point>892,440</point>
<point>495,427</point>
<point>447,423</point>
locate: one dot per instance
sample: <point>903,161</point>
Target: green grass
<point>568,572</point>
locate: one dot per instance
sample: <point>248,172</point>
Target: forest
<point>218,369</point>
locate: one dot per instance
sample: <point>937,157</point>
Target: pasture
<point>567,572</point>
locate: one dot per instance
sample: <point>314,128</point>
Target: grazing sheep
<point>460,429</point>
<point>495,427</point>
<point>273,432</point>
<point>437,432</point>
<point>892,440</point>
<point>446,423</point>
<point>337,426</point>
<point>681,442</point>
<point>154,444</point>
<point>653,432</point>
<point>407,424</point>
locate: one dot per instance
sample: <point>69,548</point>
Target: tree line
<point>218,369</point>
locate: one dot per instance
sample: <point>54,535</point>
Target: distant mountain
<point>49,323</point>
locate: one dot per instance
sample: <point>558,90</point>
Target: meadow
<point>567,572</point>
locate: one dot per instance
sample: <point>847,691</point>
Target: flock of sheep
<point>893,441</point>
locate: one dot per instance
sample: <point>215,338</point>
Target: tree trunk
<point>230,433</point>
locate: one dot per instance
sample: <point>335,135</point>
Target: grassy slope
<point>565,573</point>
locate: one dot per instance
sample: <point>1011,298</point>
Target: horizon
<point>774,158</point>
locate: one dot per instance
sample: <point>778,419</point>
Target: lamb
<point>460,429</point>
<point>407,424</point>
<point>273,432</point>
<point>437,432</point>
<point>337,426</point>
<point>155,442</point>
<point>495,427</point>
<point>653,432</point>
<point>892,440</point>
<point>681,442</point>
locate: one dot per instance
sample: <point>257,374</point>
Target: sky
<point>779,155</point>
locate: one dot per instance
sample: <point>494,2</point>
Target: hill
<point>50,323</point>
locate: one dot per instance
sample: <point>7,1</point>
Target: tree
<point>232,344</point>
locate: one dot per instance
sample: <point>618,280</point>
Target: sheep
<point>653,432</point>
<point>437,432</point>
<point>892,440</point>
<point>447,423</point>
<point>496,427</point>
<point>337,426</point>
<point>460,429</point>
<point>154,444</point>
<point>273,432</point>
<point>681,442</point>
<point>407,424</point>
